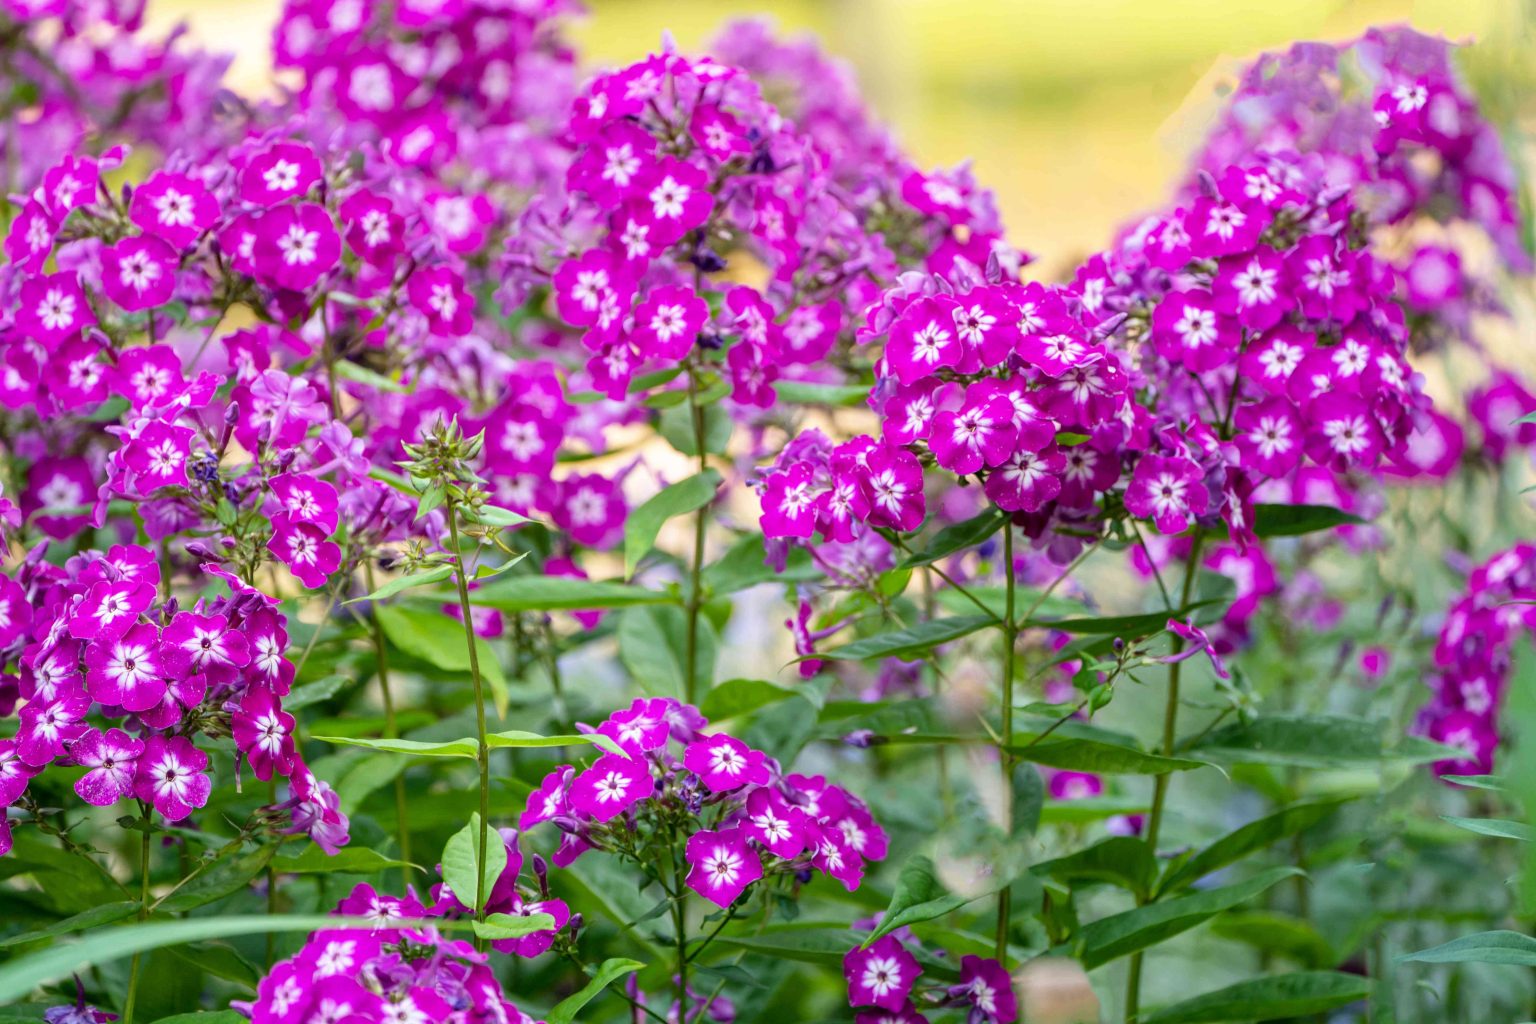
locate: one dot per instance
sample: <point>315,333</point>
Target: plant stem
<point>1170,741</point>
<point>680,936</point>
<point>1005,755</point>
<point>133,970</point>
<point>696,567</point>
<point>482,750</point>
<point>391,731</point>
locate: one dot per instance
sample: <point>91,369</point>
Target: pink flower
<point>676,195</point>
<point>610,166</point>
<point>439,295</point>
<point>724,763</point>
<point>58,495</point>
<point>281,171</point>
<point>1032,474</point>
<point>111,760</point>
<point>125,671</point>
<point>71,184</point>
<point>194,644</point>
<point>171,776</point>
<point>1271,359</point>
<point>47,726</point>
<point>1219,228</point>
<point>893,485</point>
<point>1253,288</point>
<point>306,499</point>
<point>148,375</point>
<point>590,508</point>
<point>263,732</point>
<point>296,245</point>
<point>373,229</point>
<point>53,307</point>
<point>924,339</point>
<point>108,609</point>
<point>15,611</point>
<point>1270,436</point>
<point>781,827</point>
<point>304,549</point>
<point>832,855</point>
<point>881,975</point>
<point>1342,432</point>
<point>1168,490</point>
<point>15,773</point>
<point>668,322</point>
<point>980,433</point>
<point>640,728</point>
<point>721,865</point>
<point>612,785</point>
<point>548,800</point>
<point>1189,329</point>
<point>173,207</point>
<point>31,237</point>
<point>1068,785</point>
<point>986,986</point>
<point>789,503</point>
<point>158,455</point>
<point>139,273</point>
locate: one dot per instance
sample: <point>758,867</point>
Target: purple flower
<point>721,865</point>
<point>724,763</point>
<point>1167,490</point>
<point>881,975</point>
<point>139,273</point>
<point>126,671</point>
<point>986,986</point>
<point>612,785</point>
<point>171,776</point>
<point>173,207</point>
<point>263,731</point>
<point>1195,641</point>
<point>111,759</point>
<point>109,609</point>
<point>303,547</point>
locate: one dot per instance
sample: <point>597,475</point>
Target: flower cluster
<point>1474,658</point>
<point>506,897</point>
<point>743,820</point>
<point>883,975</point>
<point>397,970</point>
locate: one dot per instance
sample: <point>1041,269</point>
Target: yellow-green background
<point>1078,113</point>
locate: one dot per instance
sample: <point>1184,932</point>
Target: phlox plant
<point>495,539</point>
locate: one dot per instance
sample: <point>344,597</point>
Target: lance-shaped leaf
<point>1497,828</point>
<point>1119,860</point>
<point>1239,843</point>
<point>1312,741</point>
<point>1087,755</point>
<point>607,973</point>
<point>469,747</point>
<point>511,926</point>
<point>910,642</point>
<point>1296,520</point>
<point>921,896</point>
<point>1284,996</point>
<point>645,522</point>
<point>1496,947</point>
<point>959,537</point>
<point>422,635</point>
<point>562,593</point>
<point>406,582</point>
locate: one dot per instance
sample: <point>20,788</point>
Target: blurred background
<point>1078,113</point>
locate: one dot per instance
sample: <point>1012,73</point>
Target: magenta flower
<point>193,643</point>
<point>881,975</point>
<point>158,455</point>
<point>303,547</point>
<point>590,508</point>
<point>47,726</point>
<point>53,307</point>
<point>832,855</point>
<point>1252,288</point>
<point>893,485</point>
<point>986,986</point>
<point>724,763</point>
<point>906,1015</point>
<point>264,733</point>
<point>31,237</point>
<point>1342,432</point>
<point>111,759</point>
<point>1189,329</point>
<point>1195,640</point>
<point>924,339</point>
<point>548,800</point>
<point>1067,785</point>
<point>980,434</point>
<point>296,245</point>
<point>125,671</point>
<point>612,785</point>
<point>591,290</point>
<point>109,609</point>
<point>1269,435</point>
<point>15,611</point>
<point>1217,227</point>
<point>306,499</point>
<point>676,195</point>
<point>721,865</point>
<point>148,375</point>
<point>171,776</point>
<point>789,503</point>
<point>439,295</point>
<point>139,273</point>
<point>267,641</point>
<point>281,171</point>
<point>1027,479</point>
<point>1169,490</point>
<point>15,773</point>
<point>781,827</point>
<point>1271,359</point>
<point>640,728</point>
<point>372,227</point>
<point>173,207</point>
<point>667,323</point>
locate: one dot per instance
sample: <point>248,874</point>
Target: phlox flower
<point>724,763</point>
<point>721,865</point>
<point>881,975</point>
<point>610,786</point>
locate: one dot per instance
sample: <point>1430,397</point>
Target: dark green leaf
<point>740,696</point>
<point>959,537</point>
<point>425,635</point>
<point>399,583</point>
<point>1121,934</point>
<point>1296,520</point>
<point>355,860</point>
<point>1311,741</point>
<point>1497,947</point>
<point>107,913</point>
<point>1119,860</point>
<point>315,692</point>
<point>1087,755</point>
<point>1282,996</point>
<point>745,565</point>
<point>645,522</point>
<point>221,961</point>
<point>1277,933</point>
<point>1498,828</point>
<point>912,641</point>
<point>608,972</point>
<point>1253,836</point>
<point>229,876</point>
<point>920,896</point>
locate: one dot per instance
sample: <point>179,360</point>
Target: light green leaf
<point>462,854</point>
<point>653,647</point>
<point>399,583</point>
<point>645,522</point>
<point>809,393</point>
<point>315,692</point>
<point>354,860</point>
<point>1089,755</point>
<point>1119,860</point>
<point>909,642</point>
<point>1496,947</point>
<point>676,425</point>
<point>1112,937</point>
<point>745,565</point>
<point>468,747</point>
<point>1492,783</point>
<point>511,926</point>
<point>563,593</point>
<point>1311,741</point>
<point>1498,828</point>
<point>740,696</point>
<point>425,635</point>
<point>607,973</point>
<point>1253,836</point>
<point>1097,808</point>
<point>921,896</point>
<point>1277,933</point>
<point>495,515</point>
<point>1282,996</point>
<point>959,537</point>
<point>359,374</point>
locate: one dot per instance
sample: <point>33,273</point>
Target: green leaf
<point>1492,783</point>
<point>427,636</point>
<point>359,374</point>
<point>315,692</point>
<point>1119,860</point>
<point>653,647</point>
<point>740,696</point>
<point>1529,417</point>
<point>206,1017</point>
<point>910,642</point>
<point>1296,520</point>
<point>495,515</point>
<point>229,876</point>
<point>1497,947</point>
<point>920,896</point>
<point>1253,836</point>
<point>808,393</point>
<point>353,860</point>
<point>20,976</point>
<point>460,858</point>
<point>221,961</point>
<point>959,537</point>
<point>468,747</point>
<point>645,522</point>
<point>1112,937</point>
<point>1088,755</point>
<point>1311,741</point>
<point>107,913</point>
<point>1282,996</point>
<point>1276,933</point>
<point>562,593</point>
<point>1498,828</point>
<point>1096,808</point>
<point>745,565</point>
<point>399,583</point>
<point>607,973</point>
<point>676,425</point>
<point>511,926</point>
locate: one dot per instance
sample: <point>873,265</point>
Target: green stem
<point>696,566</point>
<point>680,936</point>
<point>482,750</point>
<point>391,731</point>
<point>133,970</point>
<point>1006,757</point>
<point>1170,742</point>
